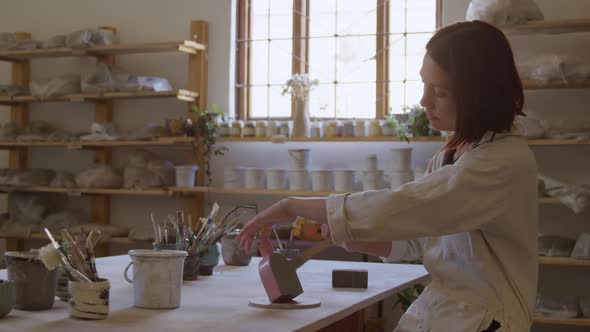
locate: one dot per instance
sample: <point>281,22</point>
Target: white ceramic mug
<point>185,175</point>
<point>343,180</point>
<point>299,158</point>
<point>298,179</point>
<point>401,159</point>
<point>321,180</point>
<point>399,178</point>
<point>254,178</point>
<point>275,179</point>
<point>372,180</point>
<point>157,278</point>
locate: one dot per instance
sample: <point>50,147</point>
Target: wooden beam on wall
<point>243,62</point>
<point>382,63</point>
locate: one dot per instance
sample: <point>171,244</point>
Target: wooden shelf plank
<point>161,141</point>
<point>563,261</point>
<point>40,236</point>
<point>550,26</point>
<point>534,142</point>
<point>183,95</point>
<point>536,85</point>
<point>555,321</point>
<point>549,200</point>
<point>87,191</point>
<point>327,139</point>
<point>115,49</point>
<point>185,190</point>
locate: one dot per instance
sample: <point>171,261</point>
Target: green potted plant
<point>206,132</point>
<point>390,125</point>
<point>414,123</point>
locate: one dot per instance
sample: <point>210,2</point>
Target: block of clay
<point>350,278</point>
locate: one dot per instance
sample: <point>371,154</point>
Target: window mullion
<point>382,59</point>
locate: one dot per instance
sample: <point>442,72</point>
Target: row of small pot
<point>323,180</point>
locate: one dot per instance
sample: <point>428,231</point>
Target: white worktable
<point>220,302</point>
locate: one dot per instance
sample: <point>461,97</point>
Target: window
<point>366,55</point>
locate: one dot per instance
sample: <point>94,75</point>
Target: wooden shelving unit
<point>570,321</point>
<point>550,27</point>
<point>201,189</point>
<point>196,93</point>
<point>563,261</point>
<point>187,46</point>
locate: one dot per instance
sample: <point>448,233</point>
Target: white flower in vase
<point>299,86</point>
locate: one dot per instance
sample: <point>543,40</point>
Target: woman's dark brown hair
<point>483,76</point>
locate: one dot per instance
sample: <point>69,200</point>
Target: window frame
<point>301,50</point>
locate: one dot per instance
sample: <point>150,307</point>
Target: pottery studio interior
<point>295,165</point>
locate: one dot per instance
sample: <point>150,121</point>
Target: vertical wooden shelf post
<point>19,114</point>
<point>101,204</point>
<point>197,81</point>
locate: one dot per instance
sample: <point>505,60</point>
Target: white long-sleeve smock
<point>474,223</point>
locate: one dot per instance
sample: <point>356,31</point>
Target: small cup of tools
<point>89,300</point>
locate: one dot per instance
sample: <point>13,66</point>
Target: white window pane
<point>356,59</point>
<point>416,50</point>
<point>397,46</point>
<point>413,92</point>
<point>396,97</point>
<point>322,58</point>
<point>322,18</point>
<point>321,101</point>
<point>279,105</point>
<point>356,17</point>
<point>259,62</point>
<point>397,16</point>
<point>421,15</point>
<point>355,100</point>
<point>259,101</point>
<point>281,19</point>
<point>259,17</point>
<point>280,61</point>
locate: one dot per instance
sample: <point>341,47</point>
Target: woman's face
<point>438,99</point>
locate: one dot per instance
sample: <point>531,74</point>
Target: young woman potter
<point>473,218</point>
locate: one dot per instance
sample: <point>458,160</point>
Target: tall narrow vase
<point>301,124</point>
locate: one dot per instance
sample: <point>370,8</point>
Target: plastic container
<point>299,158</point>
<point>359,129</point>
<point>285,129</point>
<point>273,128</point>
<point>185,175</point>
<point>332,129</point>
<point>232,177</point>
<point>224,130</point>
<point>372,180</point>
<point>249,129</point>
<point>371,163</point>
<point>348,129</point>
<point>374,129</point>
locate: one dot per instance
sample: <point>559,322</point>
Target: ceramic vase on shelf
<point>301,123</point>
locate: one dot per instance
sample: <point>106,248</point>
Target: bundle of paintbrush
<point>210,230</point>
<point>195,238</point>
<point>75,255</point>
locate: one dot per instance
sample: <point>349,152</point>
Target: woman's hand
<point>263,223</point>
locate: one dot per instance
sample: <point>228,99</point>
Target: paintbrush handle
<point>77,256</point>
<point>309,253</point>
